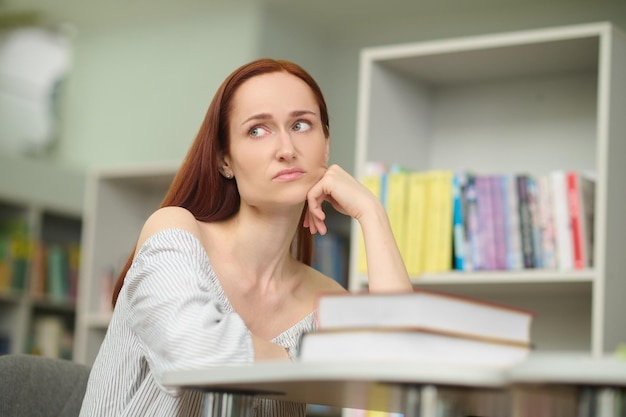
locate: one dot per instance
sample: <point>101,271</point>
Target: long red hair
<point>198,186</point>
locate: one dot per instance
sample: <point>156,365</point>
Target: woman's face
<point>278,150</point>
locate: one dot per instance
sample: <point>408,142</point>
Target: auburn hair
<point>199,187</point>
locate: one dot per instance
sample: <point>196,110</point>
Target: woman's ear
<point>225,169</point>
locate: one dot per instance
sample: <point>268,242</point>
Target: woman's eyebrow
<point>266,116</point>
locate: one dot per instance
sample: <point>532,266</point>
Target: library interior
<point>492,133</point>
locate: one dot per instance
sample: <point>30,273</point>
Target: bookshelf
<point>40,206</point>
<point>530,102</point>
<point>118,201</point>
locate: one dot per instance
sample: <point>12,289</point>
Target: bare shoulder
<point>168,218</point>
<point>319,282</point>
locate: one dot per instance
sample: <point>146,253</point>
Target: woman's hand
<point>347,195</point>
<point>386,270</point>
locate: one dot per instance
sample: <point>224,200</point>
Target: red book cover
<point>573,197</point>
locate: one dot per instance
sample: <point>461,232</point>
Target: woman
<point>221,274</point>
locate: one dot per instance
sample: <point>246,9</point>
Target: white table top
<point>381,385</point>
<point>365,385</point>
<point>570,369</point>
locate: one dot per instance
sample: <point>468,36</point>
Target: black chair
<point>35,386</point>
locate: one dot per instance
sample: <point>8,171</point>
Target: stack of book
<point>422,326</point>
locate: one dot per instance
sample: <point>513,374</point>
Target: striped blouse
<point>172,314</point>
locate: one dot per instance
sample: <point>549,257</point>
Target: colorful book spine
<point>458,183</point>
<point>526,222</point>
<point>562,224</point>
<point>416,222</point>
<point>373,181</point>
<point>439,222</point>
<point>581,192</point>
<point>446,243</point>
<point>535,216</point>
<point>57,272</point>
<point>499,232</point>
<point>485,222</point>
<point>473,254</point>
<point>513,238</point>
<point>588,201</point>
<point>396,205</point>
<point>547,222</point>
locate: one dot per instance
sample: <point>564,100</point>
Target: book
<point>561,218</point>
<point>526,221</point>
<point>396,203</point>
<point>546,221</point>
<point>513,237</point>
<point>486,224</point>
<point>535,217</point>
<point>408,344</point>
<point>424,309</point>
<point>439,231</point>
<point>499,206</point>
<point>473,254</point>
<point>57,272</point>
<point>374,180</point>
<point>580,191</point>
<point>416,222</point>
<point>459,181</point>
<point>5,264</point>
<point>330,254</point>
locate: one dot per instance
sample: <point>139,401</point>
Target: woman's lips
<point>289,174</point>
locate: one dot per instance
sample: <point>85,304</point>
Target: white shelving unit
<point>48,199</point>
<point>118,201</point>
<point>530,101</point>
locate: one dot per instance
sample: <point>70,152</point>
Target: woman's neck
<point>259,244</point>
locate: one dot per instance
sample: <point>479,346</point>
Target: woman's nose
<point>286,149</point>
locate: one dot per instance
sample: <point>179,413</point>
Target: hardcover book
<point>426,310</point>
<point>409,344</point>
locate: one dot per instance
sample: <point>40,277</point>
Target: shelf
<point>527,102</point>
<point>122,196</point>
<point>46,201</point>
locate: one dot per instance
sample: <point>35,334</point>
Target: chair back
<point>36,386</point>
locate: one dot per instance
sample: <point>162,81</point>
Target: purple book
<point>499,230</point>
<point>485,222</point>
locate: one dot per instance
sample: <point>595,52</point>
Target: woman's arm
<point>386,269</point>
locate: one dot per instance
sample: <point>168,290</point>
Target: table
<point>385,386</point>
<point>551,382</point>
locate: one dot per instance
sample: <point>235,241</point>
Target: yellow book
<point>432,219</point>
<point>374,413</point>
<point>396,205</point>
<point>447,229</point>
<point>438,256</point>
<point>416,222</point>
<point>374,183</point>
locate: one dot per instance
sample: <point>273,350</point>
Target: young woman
<point>221,274</point>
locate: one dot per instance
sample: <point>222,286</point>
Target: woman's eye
<point>258,131</point>
<point>302,126</point>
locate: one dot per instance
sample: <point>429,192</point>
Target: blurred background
<point>124,82</point>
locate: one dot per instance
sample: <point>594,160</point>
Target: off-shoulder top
<point>172,314</point>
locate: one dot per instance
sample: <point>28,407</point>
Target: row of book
<point>444,220</point>
<point>45,270</point>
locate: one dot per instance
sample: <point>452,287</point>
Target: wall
<point>139,92</point>
<point>441,23</point>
